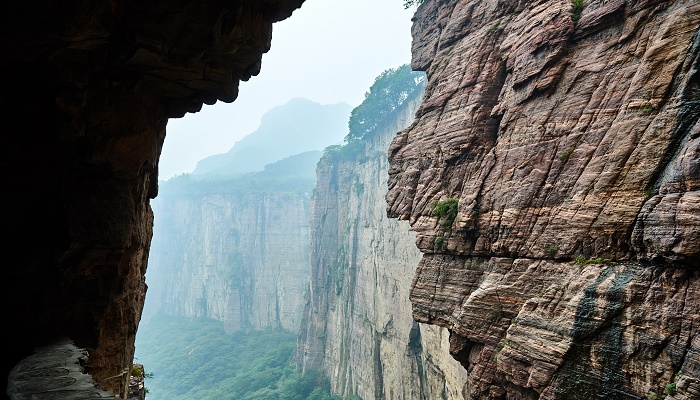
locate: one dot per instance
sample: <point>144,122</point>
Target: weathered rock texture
<point>54,371</point>
<point>563,141</point>
<point>357,325</point>
<point>86,92</point>
<point>242,259</point>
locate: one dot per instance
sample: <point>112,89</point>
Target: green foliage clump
<point>347,151</point>
<point>196,359</point>
<point>585,261</point>
<point>446,210</point>
<point>648,192</point>
<point>237,273</point>
<point>137,371</point>
<point>645,109</point>
<point>671,389</point>
<point>576,9</point>
<point>439,241</point>
<point>410,3</point>
<point>389,92</point>
<point>567,153</point>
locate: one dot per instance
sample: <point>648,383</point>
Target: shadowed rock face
<point>563,140</point>
<point>86,92</point>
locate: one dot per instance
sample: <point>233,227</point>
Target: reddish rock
<point>563,140</point>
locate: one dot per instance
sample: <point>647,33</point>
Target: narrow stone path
<point>54,372</point>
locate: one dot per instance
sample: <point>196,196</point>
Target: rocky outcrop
<point>87,91</point>
<point>241,258</point>
<point>357,325</point>
<point>568,134</point>
<point>57,369</point>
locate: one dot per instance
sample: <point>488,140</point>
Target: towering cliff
<point>567,134</point>
<point>357,325</point>
<point>236,250</point>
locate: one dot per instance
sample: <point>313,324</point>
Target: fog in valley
<point>270,216</point>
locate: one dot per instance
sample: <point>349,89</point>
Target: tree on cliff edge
<point>388,92</point>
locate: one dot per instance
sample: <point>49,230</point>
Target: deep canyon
<point>566,134</point>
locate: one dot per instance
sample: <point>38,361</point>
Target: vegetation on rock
<point>410,3</point>
<point>390,90</point>
<point>576,8</point>
<point>446,210</point>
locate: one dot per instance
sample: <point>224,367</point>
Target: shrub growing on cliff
<point>446,210</point>
<point>567,153</point>
<point>576,8</point>
<point>409,3</point>
<point>439,241</point>
<point>586,261</point>
<point>671,389</point>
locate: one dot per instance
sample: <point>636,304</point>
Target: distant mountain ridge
<point>298,126</point>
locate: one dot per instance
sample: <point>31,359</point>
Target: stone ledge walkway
<point>54,372</point>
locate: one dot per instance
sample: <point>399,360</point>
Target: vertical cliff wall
<point>568,134</point>
<point>240,258</point>
<point>357,326</point>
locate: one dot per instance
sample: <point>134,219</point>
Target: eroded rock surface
<point>570,270</point>
<point>357,326</point>
<point>86,92</point>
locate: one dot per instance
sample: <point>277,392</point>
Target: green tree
<point>388,92</point>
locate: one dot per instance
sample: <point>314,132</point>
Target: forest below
<point>200,361</point>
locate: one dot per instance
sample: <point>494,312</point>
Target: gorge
<point>332,256</point>
<point>565,133</point>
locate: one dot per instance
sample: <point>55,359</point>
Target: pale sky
<point>328,51</point>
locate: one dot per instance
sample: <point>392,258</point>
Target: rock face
<point>357,325</point>
<point>87,91</point>
<point>57,369</point>
<point>239,258</point>
<point>570,138</point>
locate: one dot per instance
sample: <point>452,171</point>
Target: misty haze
<point>348,200</point>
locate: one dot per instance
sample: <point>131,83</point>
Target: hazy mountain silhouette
<point>298,126</point>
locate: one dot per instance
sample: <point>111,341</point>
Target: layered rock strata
<point>87,91</point>
<point>239,258</point>
<point>568,134</point>
<point>357,325</point>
